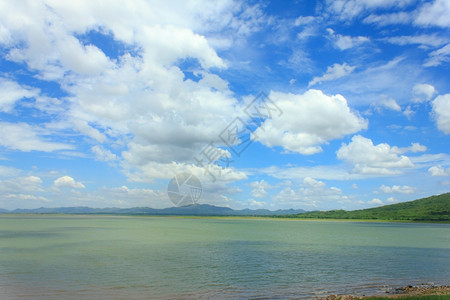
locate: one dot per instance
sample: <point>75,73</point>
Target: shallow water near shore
<point>72,257</point>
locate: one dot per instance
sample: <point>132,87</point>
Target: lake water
<point>73,257</point>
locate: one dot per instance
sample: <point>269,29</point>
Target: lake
<point>104,257</point>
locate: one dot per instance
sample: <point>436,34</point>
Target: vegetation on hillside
<point>434,208</point>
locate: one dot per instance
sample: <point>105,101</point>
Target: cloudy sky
<point>271,104</point>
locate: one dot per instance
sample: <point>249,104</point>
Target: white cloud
<point>441,111</point>
<point>439,56</point>
<point>432,40</point>
<point>167,44</point>
<point>308,120</point>
<point>388,103</point>
<point>67,181</point>
<point>308,27</point>
<point>333,72</point>
<point>415,147</point>
<point>259,188</point>
<point>438,171</point>
<point>365,85</point>
<point>11,92</point>
<point>408,112</point>
<point>429,14</point>
<point>312,183</point>
<point>131,197</point>
<point>344,42</point>
<point>151,170</point>
<point>84,128</point>
<point>389,19</point>
<point>21,192</point>
<point>252,203</point>
<point>434,14</point>
<point>20,185</point>
<point>88,60</point>
<point>50,25</point>
<point>423,92</point>
<point>26,197</point>
<point>392,200</point>
<point>23,137</point>
<point>335,172</point>
<point>375,201</point>
<point>403,189</point>
<point>310,194</point>
<point>103,154</point>
<point>368,158</point>
<point>349,9</point>
<point>430,160</point>
<point>9,171</point>
<point>304,20</point>
<point>141,98</point>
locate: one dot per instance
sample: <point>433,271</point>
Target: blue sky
<point>103,103</point>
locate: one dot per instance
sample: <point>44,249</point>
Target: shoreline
<point>405,292</point>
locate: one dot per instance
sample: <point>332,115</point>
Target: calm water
<point>55,257</point>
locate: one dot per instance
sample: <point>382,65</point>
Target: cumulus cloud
<point>259,188</point>
<point>344,42</point>
<point>375,201</point>
<point>139,98</point>
<point>310,194</point>
<point>423,92</point>
<point>151,170</point>
<point>392,200</point>
<point>415,147</point>
<point>333,72</point>
<point>368,158</point>
<point>308,121</point>
<point>438,171</point>
<point>67,181</point>
<point>255,204</point>
<point>21,192</point>
<point>21,185</point>
<point>403,189</point>
<point>441,111</point>
<point>130,197</point>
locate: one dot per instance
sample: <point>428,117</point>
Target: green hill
<point>434,208</point>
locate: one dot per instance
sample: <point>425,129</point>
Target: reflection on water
<point>156,257</point>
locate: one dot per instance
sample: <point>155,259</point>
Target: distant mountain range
<point>191,210</point>
<point>434,208</point>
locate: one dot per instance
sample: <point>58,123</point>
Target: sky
<point>311,105</point>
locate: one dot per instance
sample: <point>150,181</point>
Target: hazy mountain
<point>192,210</point>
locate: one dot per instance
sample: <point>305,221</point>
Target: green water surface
<point>54,257</point>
